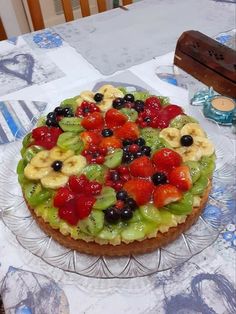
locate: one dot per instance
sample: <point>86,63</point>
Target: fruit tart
<point>115,172</point>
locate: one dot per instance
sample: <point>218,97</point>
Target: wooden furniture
<point>208,61</point>
<point>3,34</point>
<point>37,16</point>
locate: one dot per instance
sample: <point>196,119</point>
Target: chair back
<point>37,16</point>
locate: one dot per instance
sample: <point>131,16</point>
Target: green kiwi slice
<point>179,121</point>
<point>35,194</point>
<point>182,207</point>
<point>207,165</point>
<point>130,113</point>
<point>150,213</point>
<point>106,199</point>
<point>71,124</point>
<point>95,172</point>
<point>93,224</point>
<point>30,152</point>
<point>199,186</point>
<point>114,159</point>
<point>70,140</point>
<point>195,170</point>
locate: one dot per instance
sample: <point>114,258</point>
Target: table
<point>204,284</point>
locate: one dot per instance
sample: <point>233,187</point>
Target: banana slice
<point>34,173</point>
<point>79,101</point>
<point>205,145</point>
<point>192,129</point>
<point>41,160</point>
<point>171,136</point>
<point>57,153</point>
<point>190,153</point>
<point>110,91</point>
<point>103,89</point>
<point>54,180</point>
<point>73,165</point>
<point>106,104</point>
<point>87,95</point>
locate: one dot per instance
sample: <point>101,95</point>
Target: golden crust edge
<point>136,247</point>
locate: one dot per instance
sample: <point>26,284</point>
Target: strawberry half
<point>166,194</point>
<point>129,130</point>
<point>77,184</point>
<point>166,158</point>
<point>68,213</point>
<point>110,142</point>
<point>62,196</point>
<point>181,178</point>
<point>83,205</point>
<point>93,121</point>
<point>141,167</point>
<point>139,189</point>
<point>90,138</point>
<point>115,118</point>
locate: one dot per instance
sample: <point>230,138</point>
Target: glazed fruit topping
<point>86,108</point>
<point>139,105</point>
<point>63,196</point>
<point>186,140</point>
<point>77,184</point>
<point>67,212</point>
<point>95,154</point>
<point>116,179</point>
<point>118,103</point>
<point>45,136</point>
<point>129,98</point>
<point>166,194</point>
<point>159,178</point>
<point>129,130</point>
<point>114,118</point>
<point>83,205</point>
<point>166,158</point>
<point>93,121</point>
<point>141,167</point>
<point>139,189</point>
<point>112,215</point>
<point>57,165</point>
<point>121,195</point>
<point>181,178</point>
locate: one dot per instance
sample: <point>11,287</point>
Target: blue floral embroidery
<point>229,235</point>
<point>47,40</point>
<point>223,38</point>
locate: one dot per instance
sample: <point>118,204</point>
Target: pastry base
<point>135,247</point>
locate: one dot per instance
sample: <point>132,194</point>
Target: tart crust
<point>136,247</point>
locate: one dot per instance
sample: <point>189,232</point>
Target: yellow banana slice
<point>192,129</point>
<point>54,180</point>
<point>33,173</point>
<point>56,153</point>
<point>190,153</point>
<point>205,145</point>
<point>41,160</point>
<point>73,165</point>
<point>103,89</point>
<point>106,104</point>
<point>110,91</point>
<point>171,136</point>
<point>79,101</point>
<point>87,95</point>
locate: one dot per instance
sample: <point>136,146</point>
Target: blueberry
<point>126,213</point>
<point>98,97</point>
<point>67,112</point>
<point>140,141</point>
<point>130,202</point>
<point>126,157</point>
<point>57,165</point>
<point>118,103</point>
<point>51,122</point>
<point>186,140</point>
<point>107,132</point>
<point>121,195</point>
<point>126,149</point>
<point>147,120</point>
<point>146,150</point>
<point>51,115</point>
<point>111,215</point>
<point>159,178</point>
<point>127,142</point>
<point>139,105</point>
<point>129,97</point>
<point>58,111</point>
<point>115,176</point>
<point>138,154</point>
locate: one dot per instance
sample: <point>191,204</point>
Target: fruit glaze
<point>114,168</point>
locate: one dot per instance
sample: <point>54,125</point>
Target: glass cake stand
<point>16,216</point>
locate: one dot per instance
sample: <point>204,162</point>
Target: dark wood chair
<point>37,16</point>
<point>3,34</point>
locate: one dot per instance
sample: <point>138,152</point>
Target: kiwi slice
<point>26,140</point>
<point>48,213</point>
<point>41,121</point>
<point>167,219</point>
<point>137,230</point>
<point>95,172</point>
<point>150,213</point>
<point>136,216</point>
<point>110,232</point>
<point>182,207</point>
<point>20,171</point>
<point>141,95</point>
<point>199,186</point>
<point>106,199</point>
<point>93,224</point>
<point>207,165</point>
<point>114,159</point>
<point>35,194</point>
<point>30,152</point>
<point>70,102</point>
<point>195,170</point>
<point>179,121</point>
<point>151,137</point>
<point>130,113</point>
<point>70,140</point>
<point>71,124</point>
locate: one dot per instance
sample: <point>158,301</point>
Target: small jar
<point>220,109</point>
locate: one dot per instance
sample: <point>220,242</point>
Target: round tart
<point>116,173</point>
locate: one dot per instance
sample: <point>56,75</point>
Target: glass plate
<point>17,218</point>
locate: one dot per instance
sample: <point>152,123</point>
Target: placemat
<point>158,25</point>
